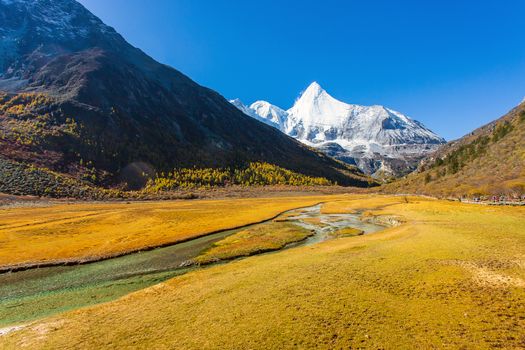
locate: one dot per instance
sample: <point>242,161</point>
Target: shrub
<point>501,131</point>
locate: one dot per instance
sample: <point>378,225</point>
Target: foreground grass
<point>452,276</point>
<point>258,239</point>
<point>91,231</point>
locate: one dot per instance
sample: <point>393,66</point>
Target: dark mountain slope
<point>488,161</point>
<point>78,99</point>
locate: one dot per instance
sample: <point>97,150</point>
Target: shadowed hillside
<point>77,99</point>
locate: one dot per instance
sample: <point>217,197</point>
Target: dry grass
<point>315,221</point>
<point>287,217</point>
<point>498,170</point>
<point>348,232</point>
<point>262,238</point>
<point>449,277</point>
<point>362,203</point>
<point>90,231</point>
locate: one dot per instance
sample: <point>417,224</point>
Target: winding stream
<point>36,293</point>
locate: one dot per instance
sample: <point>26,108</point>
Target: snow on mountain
<point>243,108</point>
<point>315,110</point>
<point>253,113</point>
<point>273,115</point>
<point>375,138</point>
<point>317,118</point>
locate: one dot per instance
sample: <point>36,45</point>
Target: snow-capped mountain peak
<point>374,137</point>
<point>314,89</point>
<point>315,107</point>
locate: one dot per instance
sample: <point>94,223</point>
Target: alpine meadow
<point>140,208</point>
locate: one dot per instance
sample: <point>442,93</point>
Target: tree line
<point>254,174</point>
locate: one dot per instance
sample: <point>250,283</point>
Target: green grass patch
<point>262,238</point>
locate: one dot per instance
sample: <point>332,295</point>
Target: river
<point>36,293</point>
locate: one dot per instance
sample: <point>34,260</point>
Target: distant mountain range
<point>487,161</point>
<point>377,139</point>
<point>77,99</point>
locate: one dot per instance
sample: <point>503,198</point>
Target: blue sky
<point>453,65</point>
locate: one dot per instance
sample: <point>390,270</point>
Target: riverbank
<point>33,294</point>
<point>84,232</point>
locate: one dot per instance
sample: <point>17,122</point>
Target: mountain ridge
<point>76,93</point>
<point>489,161</point>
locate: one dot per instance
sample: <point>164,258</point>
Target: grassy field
<point>262,238</point>
<point>451,276</point>
<point>80,232</point>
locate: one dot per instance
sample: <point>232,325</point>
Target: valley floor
<point>65,233</point>
<point>445,275</point>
